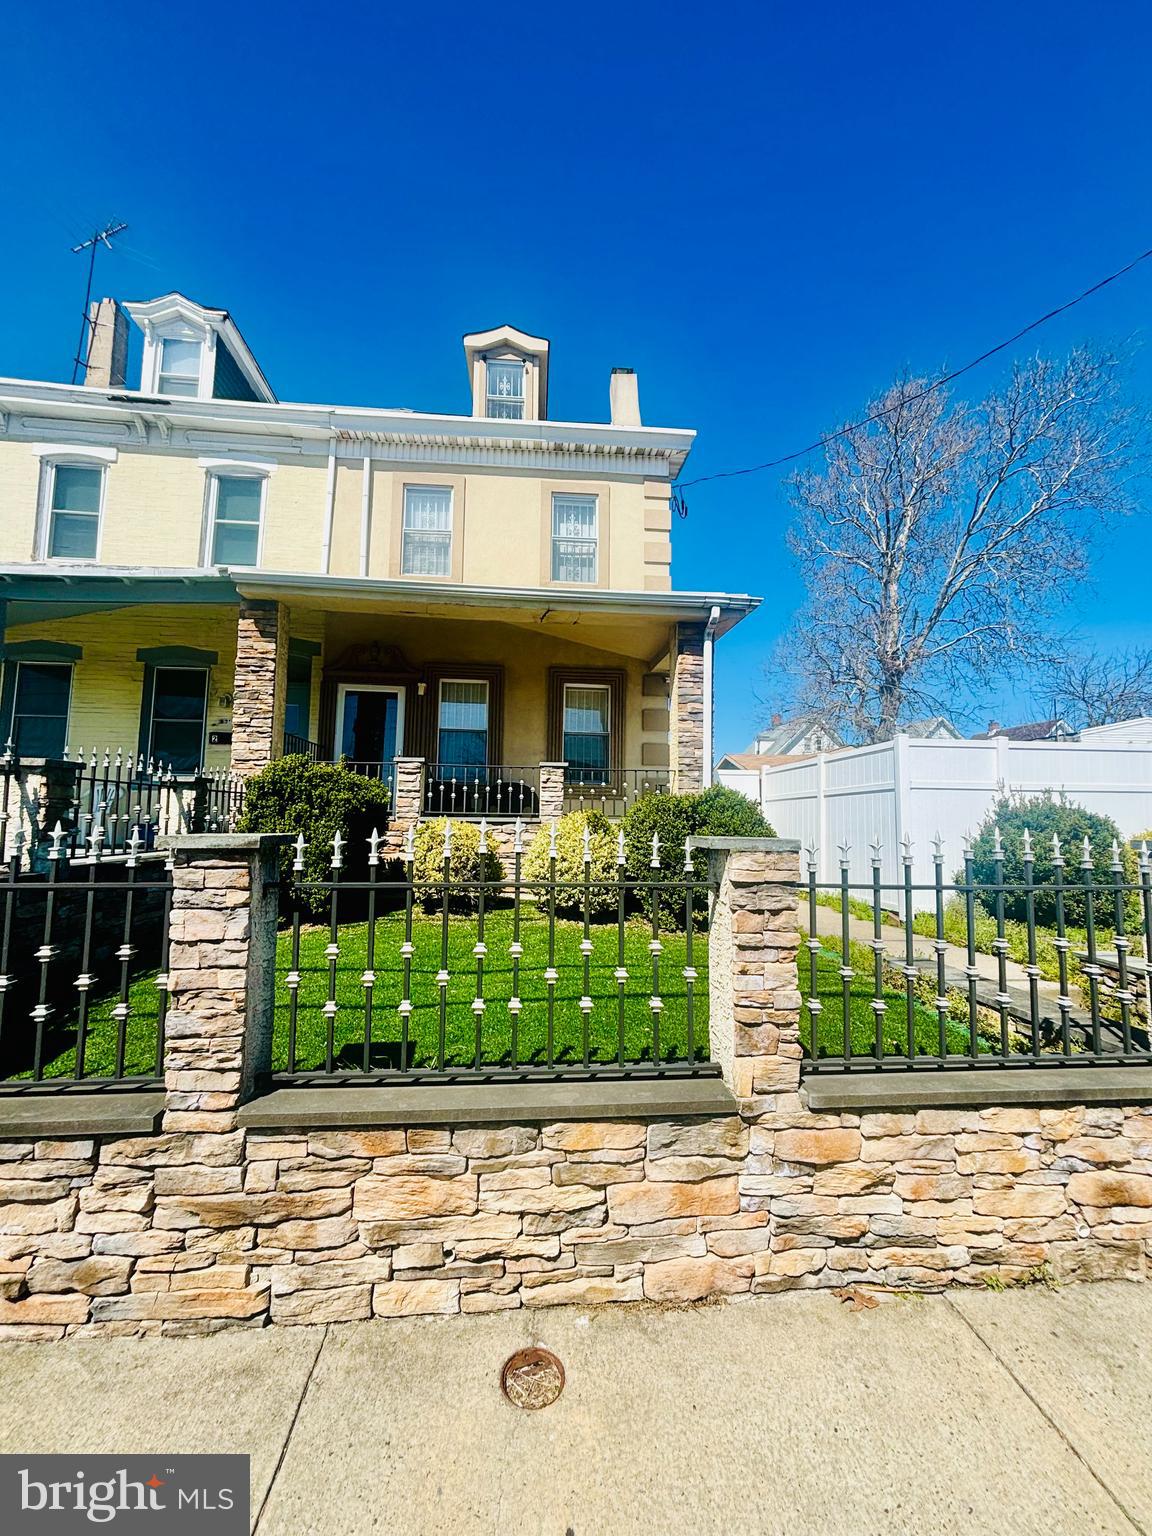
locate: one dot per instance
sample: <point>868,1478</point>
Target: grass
<point>862,1016</point>
<point>460,1030</point>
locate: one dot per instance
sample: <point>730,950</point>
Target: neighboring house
<point>795,737</point>
<point>203,575</point>
<point>935,728</point>
<point>1135,732</point>
<point>1033,730</point>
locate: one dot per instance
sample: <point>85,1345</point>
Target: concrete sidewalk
<point>777,1416</point>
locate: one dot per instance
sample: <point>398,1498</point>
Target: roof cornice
<point>129,416</point>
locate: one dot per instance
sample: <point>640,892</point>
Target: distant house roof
<point>933,726</point>
<point>752,762</point>
<point>786,736</point>
<point>1032,730</point>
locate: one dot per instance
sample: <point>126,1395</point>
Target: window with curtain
<point>74,514</point>
<point>427,533</point>
<point>587,718</point>
<point>236,520</point>
<point>462,737</point>
<point>178,704</point>
<point>505,389</point>
<point>179,372</point>
<point>40,708</point>
<point>573,538</point>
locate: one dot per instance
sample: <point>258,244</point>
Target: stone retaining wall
<point>209,1224</point>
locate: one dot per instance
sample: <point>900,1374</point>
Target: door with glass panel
<point>369,727</point>
<point>587,733</point>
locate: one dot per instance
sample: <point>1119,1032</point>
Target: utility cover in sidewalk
<point>532,1378</point>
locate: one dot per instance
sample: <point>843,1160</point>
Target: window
<point>462,741</point>
<point>40,708</point>
<point>505,389</point>
<point>239,500</point>
<point>427,539</point>
<point>179,368</point>
<point>178,706</point>
<point>574,538</point>
<point>298,697</point>
<point>586,733</point>
<point>74,515</point>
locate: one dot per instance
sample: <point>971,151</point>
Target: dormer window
<point>506,390</point>
<point>179,370</point>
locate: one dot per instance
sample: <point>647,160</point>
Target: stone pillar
<point>407,793</point>
<point>221,967</point>
<point>261,683</point>
<point>551,801</point>
<point>754,985</point>
<point>40,791</point>
<point>688,722</point>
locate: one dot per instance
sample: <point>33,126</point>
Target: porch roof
<point>79,589</point>
<point>537,605</point>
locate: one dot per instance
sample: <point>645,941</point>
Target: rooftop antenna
<point>97,238</point>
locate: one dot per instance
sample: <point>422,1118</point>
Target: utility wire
<point>830,437</point>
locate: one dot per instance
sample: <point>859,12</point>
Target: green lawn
<point>861,1015</point>
<point>460,1042</point>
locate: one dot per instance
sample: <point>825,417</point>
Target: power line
<point>91,245</point>
<point>830,437</point>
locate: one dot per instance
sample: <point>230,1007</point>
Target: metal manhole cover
<point>532,1378</point>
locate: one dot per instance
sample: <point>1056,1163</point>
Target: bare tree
<point>937,541</point>
<point>1091,688</point>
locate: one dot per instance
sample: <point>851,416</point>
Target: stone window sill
<point>859,1092</point>
<point>489,1103</point>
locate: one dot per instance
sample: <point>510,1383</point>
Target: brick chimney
<point>107,366</point>
<point>624,398</point>
<point>777,720</point>
<point>993,727</point>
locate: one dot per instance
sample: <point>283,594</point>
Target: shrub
<point>296,795</point>
<point>724,812</point>
<point>603,868</point>
<point>1043,816</point>
<point>466,863</point>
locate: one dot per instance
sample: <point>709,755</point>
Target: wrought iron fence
<point>495,792</point>
<point>613,792</point>
<point>979,972</point>
<point>83,966</point>
<point>124,795</point>
<point>451,968</point>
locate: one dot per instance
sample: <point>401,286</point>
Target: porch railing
<point>459,968</point>
<point>1046,966</point>
<point>614,792</point>
<point>494,792</point>
<point>119,795</point>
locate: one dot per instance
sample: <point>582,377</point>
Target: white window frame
<point>225,470</point>
<point>506,362</point>
<point>342,692</point>
<point>426,485</point>
<point>154,337</point>
<point>51,460</point>
<point>473,682</point>
<point>595,540</point>
<point>196,379</point>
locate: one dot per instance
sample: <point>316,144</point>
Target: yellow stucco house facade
<point>476,607</point>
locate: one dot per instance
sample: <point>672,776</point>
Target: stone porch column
<point>261,684</point>
<point>551,791</point>
<point>688,709</point>
<point>221,968</point>
<point>407,793</point>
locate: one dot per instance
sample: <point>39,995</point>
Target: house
<point>477,607</point>
<point>1033,730</point>
<point>934,728</point>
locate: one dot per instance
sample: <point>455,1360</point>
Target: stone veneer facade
<point>260,684</point>
<point>209,1224</point>
<point>687,701</point>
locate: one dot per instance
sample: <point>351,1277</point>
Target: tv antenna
<point>93,243</point>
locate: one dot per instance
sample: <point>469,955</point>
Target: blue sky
<point>765,209</point>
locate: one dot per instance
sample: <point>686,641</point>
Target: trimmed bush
<point>465,863</point>
<point>1044,815</point>
<point>603,869</point>
<point>724,812</point>
<point>719,812</point>
<point>296,795</point>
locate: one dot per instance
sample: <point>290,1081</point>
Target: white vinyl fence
<point>923,788</point>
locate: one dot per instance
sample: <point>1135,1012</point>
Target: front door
<point>369,724</point>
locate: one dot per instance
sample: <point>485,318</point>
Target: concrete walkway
<point>1011,1414</point>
